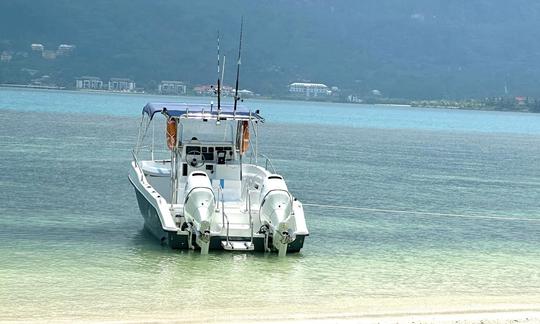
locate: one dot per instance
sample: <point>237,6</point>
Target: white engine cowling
<point>276,203</point>
<point>199,201</point>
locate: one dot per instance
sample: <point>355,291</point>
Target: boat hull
<point>179,240</point>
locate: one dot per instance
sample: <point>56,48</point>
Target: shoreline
<point>406,310</point>
<point>30,86</point>
<point>450,317</point>
<point>392,105</point>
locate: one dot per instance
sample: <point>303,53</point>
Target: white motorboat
<point>208,187</point>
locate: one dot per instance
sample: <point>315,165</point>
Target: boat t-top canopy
<point>200,111</point>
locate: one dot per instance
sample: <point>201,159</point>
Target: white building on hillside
<point>37,47</point>
<point>245,93</point>
<point>48,54</point>
<point>89,82</point>
<point>309,90</point>
<point>5,56</point>
<point>65,49</point>
<point>119,84</point>
<point>172,88</point>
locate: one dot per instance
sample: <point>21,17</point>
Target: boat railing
<point>151,153</point>
<point>224,217</point>
<point>250,217</point>
<point>255,154</point>
<point>227,219</point>
<point>248,209</point>
<point>137,164</point>
<point>267,162</point>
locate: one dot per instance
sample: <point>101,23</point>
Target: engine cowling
<point>276,203</point>
<point>199,201</point>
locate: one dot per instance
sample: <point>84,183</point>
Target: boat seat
<point>156,169</point>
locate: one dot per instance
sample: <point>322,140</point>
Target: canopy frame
<point>201,111</point>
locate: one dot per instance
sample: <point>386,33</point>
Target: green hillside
<point>417,49</point>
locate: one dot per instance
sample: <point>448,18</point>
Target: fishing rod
<point>238,65</point>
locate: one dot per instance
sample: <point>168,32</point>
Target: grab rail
<point>227,218</point>
<point>146,152</point>
<point>250,217</point>
<point>267,159</point>
<point>248,209</point>
<point>223,214</point>
<point>267,162</point>
<point>137,164</point>
<point>256,154</point>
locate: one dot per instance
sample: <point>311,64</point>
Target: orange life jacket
<point>245,137</point>
<point>171,133</point>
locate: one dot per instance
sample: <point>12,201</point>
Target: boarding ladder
<point>235,245</point>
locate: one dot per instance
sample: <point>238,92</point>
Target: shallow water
<point>72,244</point>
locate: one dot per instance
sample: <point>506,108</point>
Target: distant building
<point>22,54</point>
<point>5,56</point>
<point>65,50</point>
<point>44,80</point>
<point>335,91</point>
<point>89,82</point>
<point>172,88</point>
<point>38,47</point>
<point>48,54</point>
<point>376,92</point>
<point>30,72</point>
<point>245,93</point>
<point>119,84</point>
<point>211,90</point>
<point>309,90</point>
<point>521,100</point>
<point>203,90</point>
<point>354,98</point>
<point>227,91</point>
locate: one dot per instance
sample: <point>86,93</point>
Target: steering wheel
<point>195,162</point>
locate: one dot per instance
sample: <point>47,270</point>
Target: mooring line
<point>410,212</point>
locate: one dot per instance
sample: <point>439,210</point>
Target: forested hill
<point>405,49</point>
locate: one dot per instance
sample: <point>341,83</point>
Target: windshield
<point>207,131</point>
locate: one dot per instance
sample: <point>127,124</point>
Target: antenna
<point>238,64</point>
<point>218,80</point>
<point>223,70</point>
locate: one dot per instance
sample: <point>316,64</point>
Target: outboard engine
<point>199,206</point>
<point>276,211</point>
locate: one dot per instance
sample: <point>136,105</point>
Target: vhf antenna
<point>238,65</point>
<point>218,80</point>
<point>223,70</point>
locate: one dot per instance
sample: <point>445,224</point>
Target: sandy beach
<point>493,317</point>
<point>447,318</point>
<point>479,314</point>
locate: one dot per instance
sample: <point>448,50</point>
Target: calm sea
<point>72,244</point>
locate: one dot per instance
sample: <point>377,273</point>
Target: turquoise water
<point>292,112</point>
<point>72,244</point>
